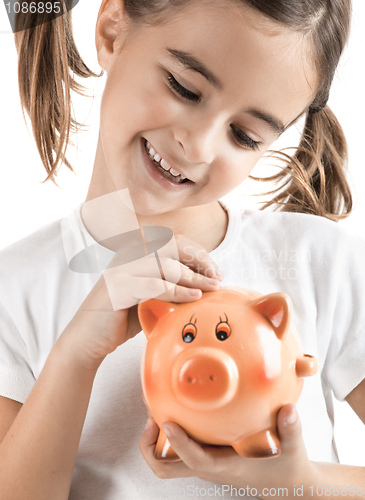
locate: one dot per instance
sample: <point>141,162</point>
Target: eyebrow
<point>274,123</point>
<point>192,63</point>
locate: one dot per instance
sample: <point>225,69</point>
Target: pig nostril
<point>205,379</point>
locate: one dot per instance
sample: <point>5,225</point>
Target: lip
<point>157,176</point>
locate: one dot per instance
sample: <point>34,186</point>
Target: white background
<point>26,203</point>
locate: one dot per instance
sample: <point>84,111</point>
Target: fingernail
<point>214,282</point>
<point>220,275</point>
<point>167,430</point>
<point>292,417</point>
<point>195,293</point>
<point>214,272</point>
<point>210,273</point>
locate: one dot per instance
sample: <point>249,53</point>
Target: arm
<point>280,474</point>
<point>356,399</point>
<point>344,474</point>
<point>38,453</point>
<point>9,409</point>
<point>39,439</point>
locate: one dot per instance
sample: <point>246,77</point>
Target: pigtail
<point>48,61</point>
<point>314,179</point>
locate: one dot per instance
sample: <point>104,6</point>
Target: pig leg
<point>263,444</point>
<point>164,450</point>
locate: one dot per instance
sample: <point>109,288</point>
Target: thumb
<point>149,437</point>
<point>290,431</point>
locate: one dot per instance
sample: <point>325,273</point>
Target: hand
<point>223,465</point>
<point>108,316</point>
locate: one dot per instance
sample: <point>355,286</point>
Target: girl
<point>196,93</point>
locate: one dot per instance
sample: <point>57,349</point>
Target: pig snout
<point>205,379</point>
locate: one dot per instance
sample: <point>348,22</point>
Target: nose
<point>206,380</point>
<point>198,139</point>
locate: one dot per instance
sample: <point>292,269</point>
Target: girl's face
<point>208,91</point>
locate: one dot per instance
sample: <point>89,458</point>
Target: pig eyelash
<point>191,320</point>
<point>220,319</point>
<point>223,332</point>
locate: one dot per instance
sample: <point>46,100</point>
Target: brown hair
<point>47,62</point>
<point>313,179</point>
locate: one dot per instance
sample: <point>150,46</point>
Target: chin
<point>144,209</point>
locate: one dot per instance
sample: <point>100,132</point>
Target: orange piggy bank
<point>221,368</point>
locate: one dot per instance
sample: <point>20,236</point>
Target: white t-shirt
<point>316,262</point>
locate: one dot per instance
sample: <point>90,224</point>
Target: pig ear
<point>276,308</point>
<point>150,311</point>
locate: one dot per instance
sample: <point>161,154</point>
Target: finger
<point>149,436</point>
<point>290,431</point>
<point>146,279</point>
<point>163,470</point>
<point>180,248</point>
<point>125,292</point>
<point>179,294</point>
<point>136,289</point>
<point>191,453</point>
<point>196,257</point>
<point>175,272</point>
<point>166,269</point>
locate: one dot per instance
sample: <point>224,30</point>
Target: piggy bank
<point>221,368</point>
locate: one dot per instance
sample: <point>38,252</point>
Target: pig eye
<point>222,331</point>
<point>189,333</point>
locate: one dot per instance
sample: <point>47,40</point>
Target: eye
<point>176,87</point>
<point>222,331</point>
<point>189,333</point>
<point>240,137</point>
<point>243,140</point>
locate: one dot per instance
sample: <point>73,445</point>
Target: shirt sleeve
<point>16,377</point>
<point>343,304</point>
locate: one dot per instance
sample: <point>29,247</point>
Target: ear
<point>151,311</point>
<point>276,308</point>
<point>109,23</point>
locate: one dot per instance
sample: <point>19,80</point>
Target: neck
<point>108,215</point>
<point>204,224</point>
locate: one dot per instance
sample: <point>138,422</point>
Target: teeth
<point>165,166</point>
<point>163,163</point>
<point>173,172</point>
<point>150,150</point>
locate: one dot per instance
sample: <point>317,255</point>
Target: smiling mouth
<point>163,167</point>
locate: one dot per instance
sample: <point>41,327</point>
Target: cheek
<point>133,104</point>
<point>237,168</point>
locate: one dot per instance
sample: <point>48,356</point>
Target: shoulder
<point>329,261</point>
<point>281,222</point>
<point>38,291</point>
<point>301,230</point>
<point>33,251</point>
<point>314,243</point>
<point>272,236</point>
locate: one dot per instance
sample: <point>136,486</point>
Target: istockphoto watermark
<point>295,491</point>
<point>19,15</point>
<point>222,491</point>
